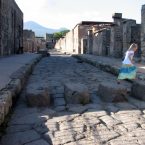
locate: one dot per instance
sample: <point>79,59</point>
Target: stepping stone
<point>76,93</point>
<point>138,90</point>
<point>38,97</point>
<point>112,92</point>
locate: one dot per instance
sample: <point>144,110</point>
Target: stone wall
<point>116,44</point>
<point>69,41</point>
<point>127,33</point>
<point>101,42</point>
<point>29,41</point>
<point>136,38</point>
<point>73,39</point>
<point>11,28</point>
<point>143,32</point>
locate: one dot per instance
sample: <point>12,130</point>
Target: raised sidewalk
<point>111,65</point>
<point>14,71</point>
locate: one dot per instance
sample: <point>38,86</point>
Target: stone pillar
<point>143,32</point>
<point>90,42</point>
<point>136,38</point>
<point>83,46</point>
<point>116,45</point>
<point>127,31</point>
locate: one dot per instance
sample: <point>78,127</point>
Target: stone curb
<point>106,67</point>
<point>10,93</point>
<point>99,64</point>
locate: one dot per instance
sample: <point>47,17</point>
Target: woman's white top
<point>126,59</point>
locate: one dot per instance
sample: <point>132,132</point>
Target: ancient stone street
<point>44,114</point>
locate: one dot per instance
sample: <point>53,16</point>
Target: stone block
<point>20,138</point>
<point>112,92</point>
<point>38,142</point>
<point>38,97</point>
<point>76,93</point>
<point>138,90</point>
<point>44,52</point>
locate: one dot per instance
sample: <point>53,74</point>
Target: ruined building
<point>76,40</point>
<point>11,28</point>
<point>102,38</point>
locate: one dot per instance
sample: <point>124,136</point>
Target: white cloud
<point>67,13</point>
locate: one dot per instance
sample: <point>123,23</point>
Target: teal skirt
<point>127,72</point>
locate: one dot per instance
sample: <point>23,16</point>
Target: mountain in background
<point>39,29</point>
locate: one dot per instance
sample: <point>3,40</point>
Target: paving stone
<point>51,125</point>
<point>137,133</point>
<point>24,111</point>
<point>131,126</point>
<point>38,142</point>
<point>127,118</point>
<point>110,92</point>
<point>46,112</point>
<point>138,103</point>
<point>130,112</point>
<point>18,128</point>
<point>59,102</point>
<point>49,136</point>
<point>65,117</point>
<point>40,128</point>
<point>85,142</point>
<point>102,136</point>
<point>125,106</point>
<point>20,138</point>
<point>120,129</point>
<point>87,121</point>
<point>95,106</point>
<point>71,126</point>
<point>78,109</point>
<point>94,112</point>
<point>59,90</point>
<point>58,95</point>
<point>62,140</point>
<point>29,119</point>
<point>60,108</point>
<point>111,108</point>
<point>79,136</point>
<point>109,121</point>
<point>138,90</point>
<point>76,93</point>
<point>124,141</point>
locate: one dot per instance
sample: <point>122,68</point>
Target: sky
<point>67,13</point>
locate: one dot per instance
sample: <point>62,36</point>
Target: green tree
<point>60,34</point>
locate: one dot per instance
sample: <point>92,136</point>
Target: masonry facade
<point>29,41</point>
<point>103,38</point>
<point>11,28</point>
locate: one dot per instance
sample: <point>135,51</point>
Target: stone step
<point>76,93</point>
<point>112,92</point>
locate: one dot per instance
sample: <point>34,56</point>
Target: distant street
<point>96,123</point>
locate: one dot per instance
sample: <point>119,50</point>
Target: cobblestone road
<point>97,123</point>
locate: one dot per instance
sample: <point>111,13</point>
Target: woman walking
<point>128,69</point>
